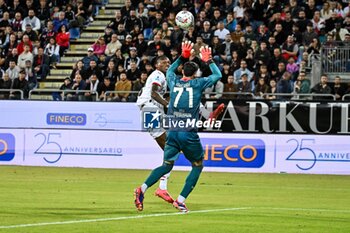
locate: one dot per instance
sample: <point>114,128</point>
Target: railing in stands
<point>11,92</point>
<point>336,58</point>
<point>66,93</point>
<point>296,96</point>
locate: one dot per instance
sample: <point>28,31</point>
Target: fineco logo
<point>7,147</point>
<point>227,152</point>
<point>66,119</point>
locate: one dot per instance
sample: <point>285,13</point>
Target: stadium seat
<point>74,33</point>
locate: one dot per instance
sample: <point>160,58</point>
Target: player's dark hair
<point>161,58</point>
<point>190,68</point>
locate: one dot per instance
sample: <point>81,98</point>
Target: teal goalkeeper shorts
<point>187,142</point>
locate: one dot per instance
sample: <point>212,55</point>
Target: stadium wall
<point>51,135</point>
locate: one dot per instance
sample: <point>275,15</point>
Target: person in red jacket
<point>25,41</point>
<point>62,39</point>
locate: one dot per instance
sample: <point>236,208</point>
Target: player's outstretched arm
<point>186,48</point>
<point>205,54</point>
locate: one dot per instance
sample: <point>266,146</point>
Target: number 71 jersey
<point>185,96</point>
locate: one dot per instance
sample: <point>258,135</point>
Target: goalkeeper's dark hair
<point>190,68</point>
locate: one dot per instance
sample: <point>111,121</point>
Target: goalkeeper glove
<point>186,49</point>
<point>205,54</point>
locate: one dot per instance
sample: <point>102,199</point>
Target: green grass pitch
<point>56,200</point>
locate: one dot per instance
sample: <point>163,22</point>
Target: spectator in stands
<point>57,23</point>
<point>262,55</point>
<point>114,23</point>
<point>25,56</point>
<point>293,68</point>
<point>302,85</point>
<point>52,49</point>
<point>5,21</point>
<point>338,32</point>
<point>133,73</point>
<point>113,46</point>
<point>41,64</point>
<point>309,35</point>
<point>20,83</point>
<point>318,22</point>
<point>279,34</point>
<point>263,33</point>
<point>272,89</point>
<point>230,86</point>
<point>62,39</point>
<point>237,34</point>
<point>32,20</point>
<point>78,68</point>
<point>90,57</point>
<point>244,85</point>
<point>111,72</point>
<point>13,70</point>
<point>82,14</point>
<point>47,33</point>
<point>290,48</point>
<point>78,85</point>
<point>132,57</point>
<point>326,11</point>
<point>99,48</point>
<point>338,88</point>
<point>10,44</point>
<point>138,85</point>
<point>215,91</point>
<point>17,22</point>
<point>263,73</point>
<point>67,85</point>
<point>322,88</point>
<point>33,36</point>
<point>15,8</point>
<point>261,88</point>
<point>132,20</point>
<point>105,87</point>
<point>30,75</point>
<point>330,22</point>
<point>230,22</point>
<point>221,31</point>
<point>123,86</point>
<point>12,57</point>
<point>5,83</point>
<point>92,85</point>
<point>285,85</point>
<point>43,12</point>
<point>94,69</point>
<point>302,21</point>
<point>25,41</point>
<point>141,45</point>
<point>242,70</point>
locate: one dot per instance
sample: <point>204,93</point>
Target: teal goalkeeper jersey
<point>185,94</point>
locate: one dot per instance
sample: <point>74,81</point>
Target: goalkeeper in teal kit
<point>185,99</point>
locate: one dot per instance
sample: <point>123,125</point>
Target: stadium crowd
<point>261,46</point>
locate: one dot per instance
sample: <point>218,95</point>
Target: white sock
<point>203,111</point>
<point>181,199</point>
<point>164,181</point>
<point>144,187</point>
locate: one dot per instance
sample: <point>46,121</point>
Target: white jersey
<point>157,77</point>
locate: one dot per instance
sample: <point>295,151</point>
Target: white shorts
<point>155,133</point>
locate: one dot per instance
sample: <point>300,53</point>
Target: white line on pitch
<point>304,209</point>
<point>118,218</point>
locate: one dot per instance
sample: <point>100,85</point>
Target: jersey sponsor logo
<point>66,119</point>
<point>230,152</point>
<point>7,147</point>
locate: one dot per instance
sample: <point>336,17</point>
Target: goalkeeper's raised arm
<point>186,48</point>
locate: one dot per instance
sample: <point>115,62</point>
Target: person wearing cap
<point>244,85</point>
<point>132,57</point>
<point>32,20</point>
<point>90,57</point>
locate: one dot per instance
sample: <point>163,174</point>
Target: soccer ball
<point>184,19</point>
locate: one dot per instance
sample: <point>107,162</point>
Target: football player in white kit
<point>151,96</point>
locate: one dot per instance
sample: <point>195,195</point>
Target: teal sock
<point>191,180</point>
<point>157,173</point>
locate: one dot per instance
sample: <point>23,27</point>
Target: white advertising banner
<point>308,154</point>
<point>66,114</point>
